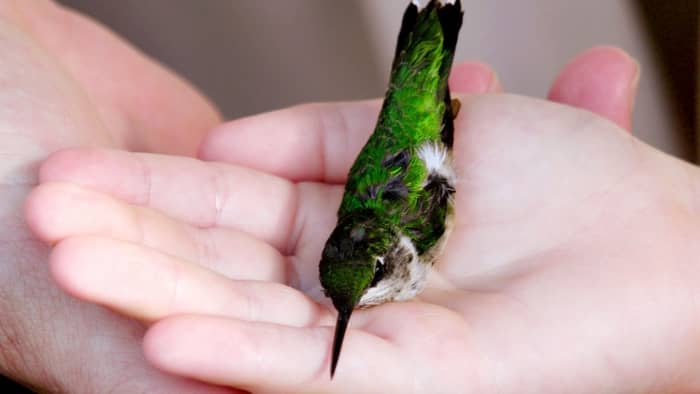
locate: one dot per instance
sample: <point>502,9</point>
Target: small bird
<point>398,202</point>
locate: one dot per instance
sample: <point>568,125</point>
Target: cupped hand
<point>571,267</point>
<point>67,82</point>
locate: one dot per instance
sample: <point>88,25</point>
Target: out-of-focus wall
<point>251,56</point>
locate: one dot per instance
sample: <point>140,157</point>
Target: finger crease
<point>298,222</point>
<point>147,177</point>
<point>221,196</point>
<point>250,305</point>
<point>207,251</point>
<point>177,287</point>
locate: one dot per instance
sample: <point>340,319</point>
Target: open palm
<point>570,267</point>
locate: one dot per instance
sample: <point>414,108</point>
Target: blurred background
<point>251,56</point>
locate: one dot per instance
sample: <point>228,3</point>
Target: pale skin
<point>65,81</point>
<point>85,87</point>
<point>572,266</point>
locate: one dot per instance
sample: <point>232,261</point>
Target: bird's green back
<point>412,115</point>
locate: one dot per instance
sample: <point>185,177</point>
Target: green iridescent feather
<point>412,115</point>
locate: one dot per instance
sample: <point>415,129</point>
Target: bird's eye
<point>378,272</point>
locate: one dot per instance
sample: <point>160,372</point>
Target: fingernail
<point>635,83</point>
<point>494,83</point>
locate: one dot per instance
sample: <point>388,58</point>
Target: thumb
<point>602,80</point>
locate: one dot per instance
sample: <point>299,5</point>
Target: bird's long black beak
<point>340,327</point>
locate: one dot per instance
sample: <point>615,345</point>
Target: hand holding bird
<point>572,242</point>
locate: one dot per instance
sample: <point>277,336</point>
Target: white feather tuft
<point>420,5</point>
<point>433,156</point>
<point>437,160</point>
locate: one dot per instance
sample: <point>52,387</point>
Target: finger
<point>287,216</point>
<point>307,142</point>
<point>149,285</point>
<point>602,80</point>
<point>274,358</point>
<point>145,106</point>
<point>199,193</point>
<point>55,211</point>
<point>314,142</point>
<point>473,77</point>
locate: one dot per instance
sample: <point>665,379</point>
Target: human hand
<point>67,82</point>
<point>567,231</point>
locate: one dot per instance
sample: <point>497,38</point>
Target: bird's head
<point>352,262</point>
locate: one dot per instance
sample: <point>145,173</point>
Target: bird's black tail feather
<point>451,21</point>
<point>450,16</point>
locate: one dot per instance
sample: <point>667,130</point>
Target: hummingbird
<point>398,203</point>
